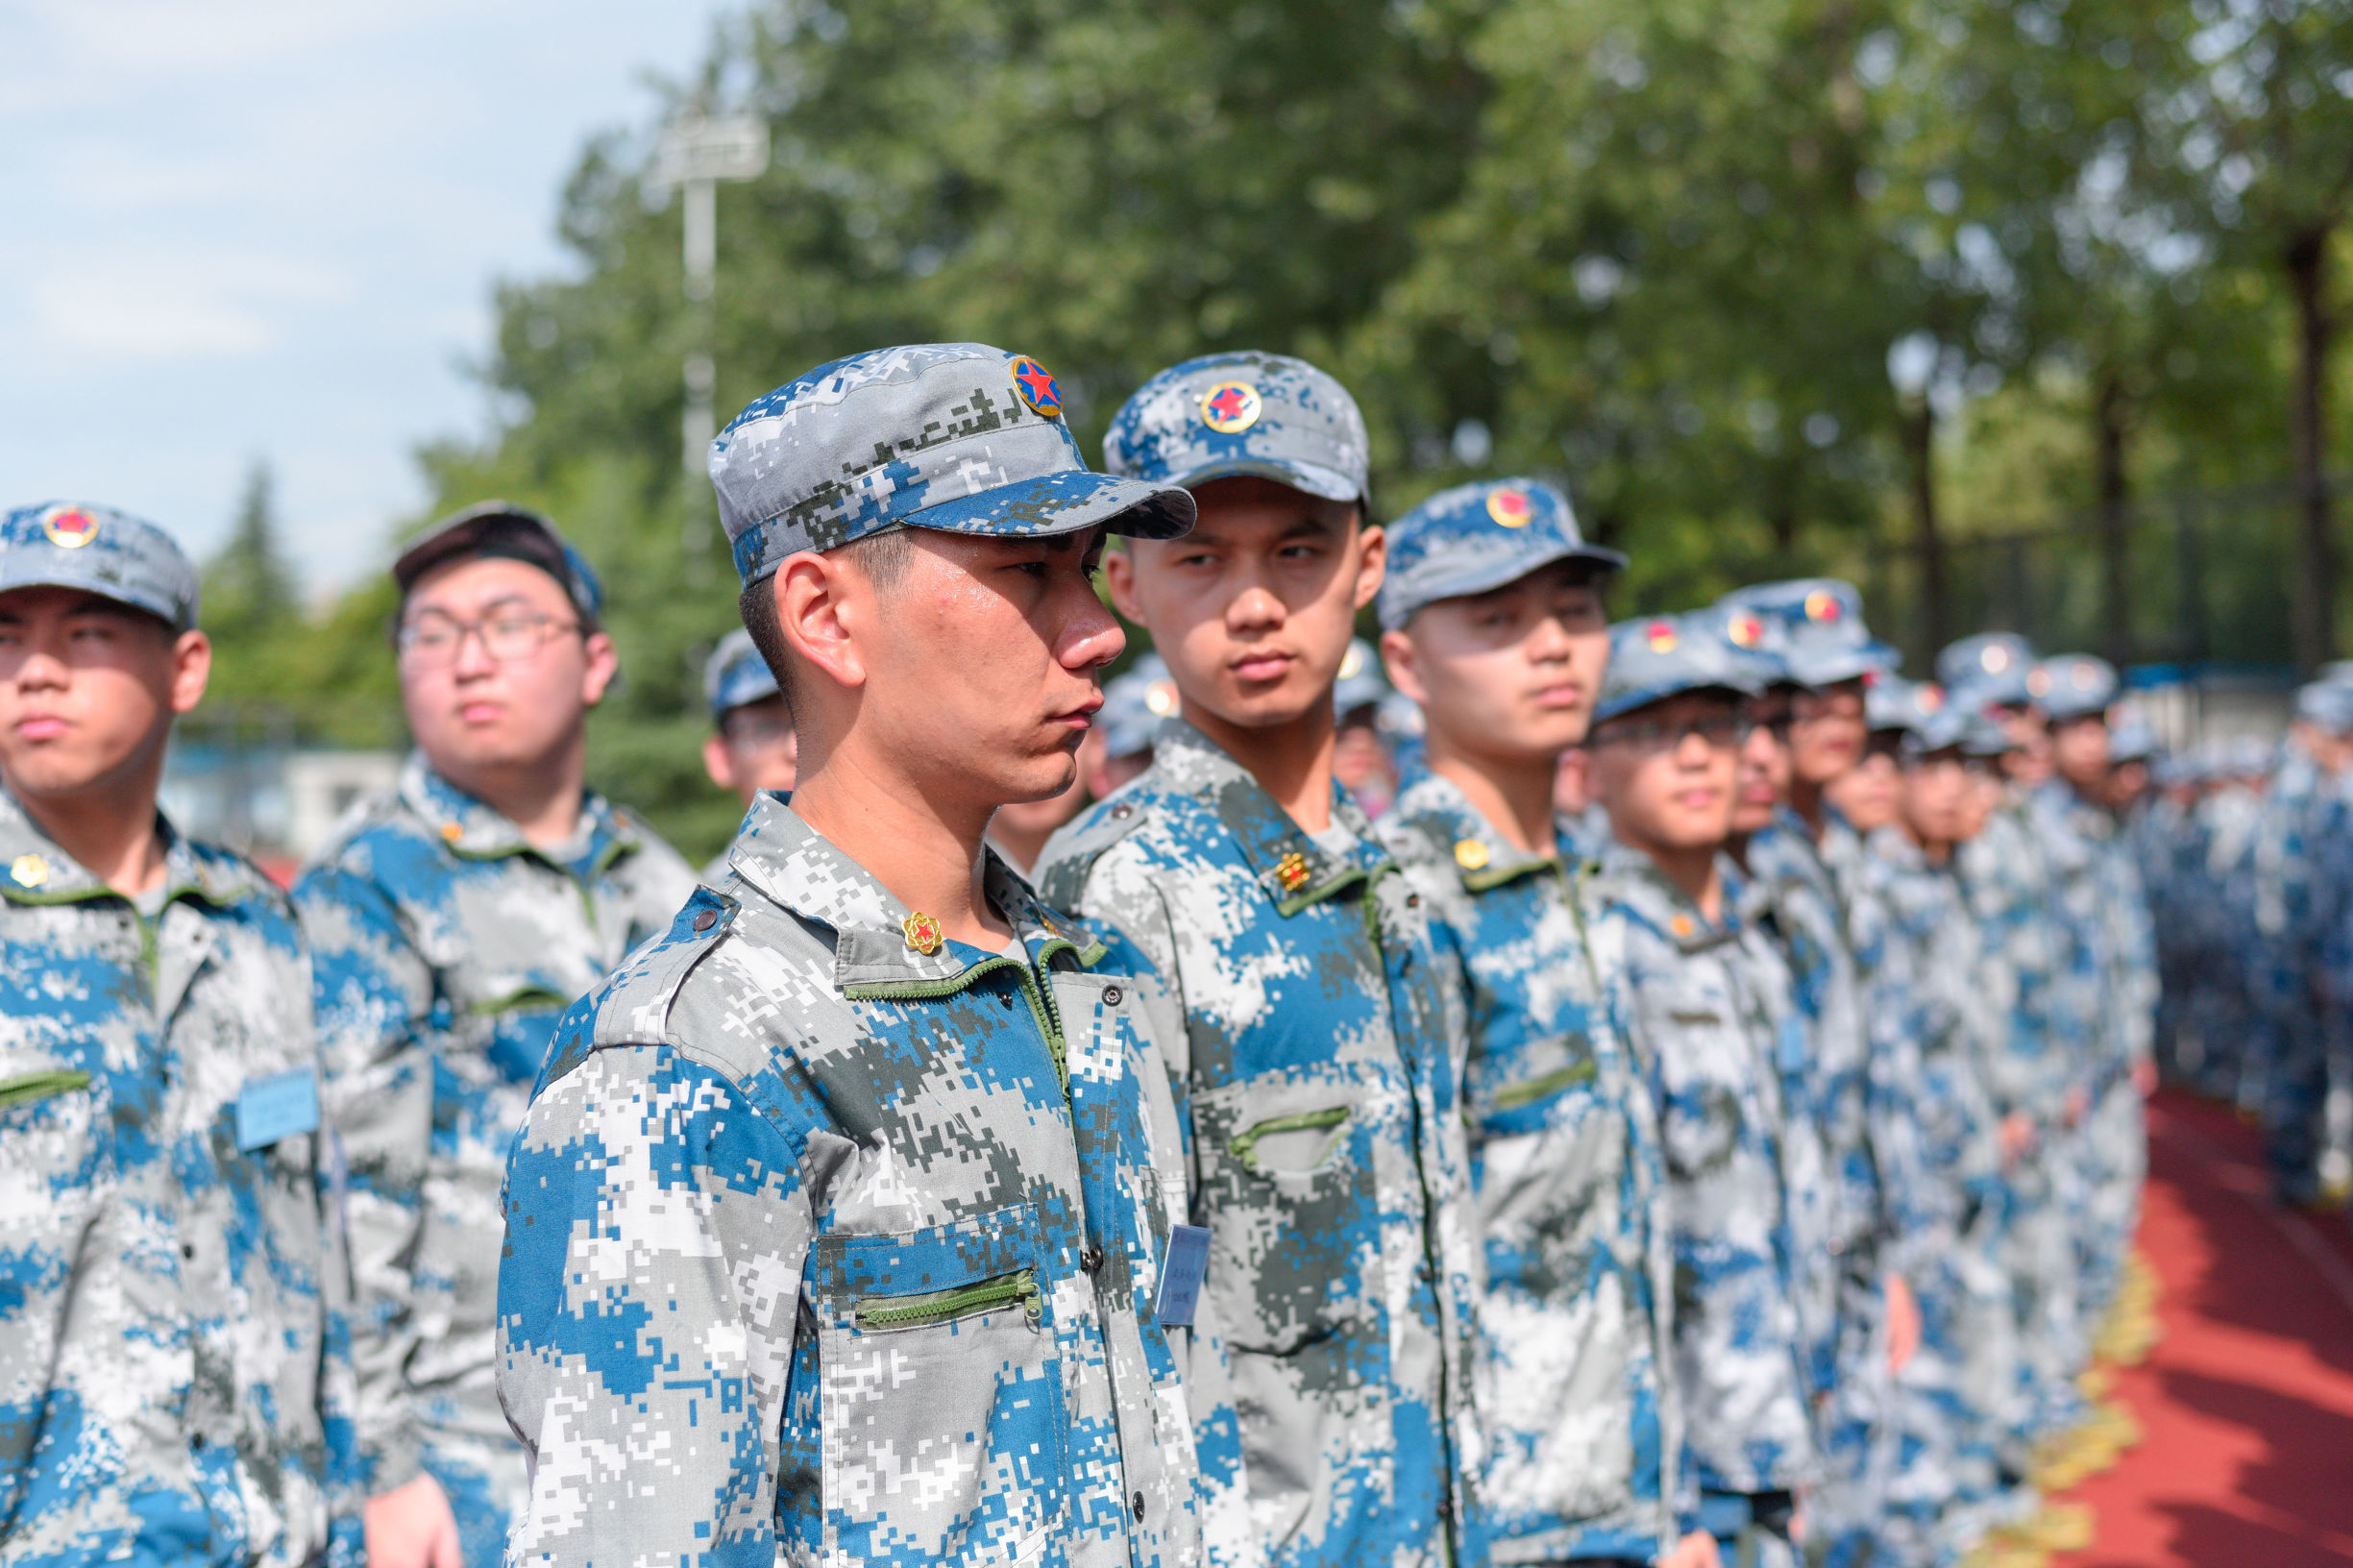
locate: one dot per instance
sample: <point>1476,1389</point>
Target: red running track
<point>2247,1401</point>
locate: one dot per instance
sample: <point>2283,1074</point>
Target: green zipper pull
<point>41,1085</point>
<point>946,1306</point>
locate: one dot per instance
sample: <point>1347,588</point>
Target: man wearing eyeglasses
<point>453,919</point>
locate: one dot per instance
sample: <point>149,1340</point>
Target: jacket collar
<point>1292,869</point>
<point>1482,857</point>
<point>1645,890</point>
<point>34,870</point>
<point>798,869</point>
<point>476,831</point>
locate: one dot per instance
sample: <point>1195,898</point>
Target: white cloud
<point>142,306</point>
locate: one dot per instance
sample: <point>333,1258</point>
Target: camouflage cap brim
<point>1483,576</point>
<point>102,552</point>
<point>1308,479</point>
<point>1820,667</point>
<point>1642,696</point>
<point>1065,503</point>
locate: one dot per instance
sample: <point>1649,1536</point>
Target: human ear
<point>1372,562</point>
<point>191,668</point>
<point>1402,660</point>
<point>1119,577</point>
<point>820,607</point>
<point>719,762</point>
<point>603,663</point>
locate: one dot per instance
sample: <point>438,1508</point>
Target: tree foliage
<point>1770,285</point>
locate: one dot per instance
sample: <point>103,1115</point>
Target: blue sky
<point>270,228</point>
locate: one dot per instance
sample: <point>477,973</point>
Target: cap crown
<point>1988,669</point>
<point>1227,414</point>
<point>1134,703</point>
<point>65,544</point>
<point>2073,685</point>
<point>957,436</point>
<point>735,674</point>
<point>1827,641</point>
<point>1655,656</point>
<point>1477,537</point>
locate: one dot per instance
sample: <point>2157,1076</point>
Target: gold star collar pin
<point>922,932</point>
<point>1470,854</point>
<point>1291,870</point>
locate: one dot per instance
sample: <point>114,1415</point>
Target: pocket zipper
<point>1245,1145</point>
<point>946,1306</point>
<point>1514,1095</point>
<point>40,1085</point>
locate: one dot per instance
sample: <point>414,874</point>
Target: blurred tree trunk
<point>2112,413</point>
<point>1927,538</point>
<point>2316,589</point>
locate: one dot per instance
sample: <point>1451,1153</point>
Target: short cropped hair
<point>882,556</point>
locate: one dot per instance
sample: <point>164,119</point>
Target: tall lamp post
<point>694,155</point>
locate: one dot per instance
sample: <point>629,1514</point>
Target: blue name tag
<point>1181,1274</point>
<point>276,1107</point>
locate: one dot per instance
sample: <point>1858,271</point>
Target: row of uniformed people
<point>2248,850</point>
<point>1280,1188</point>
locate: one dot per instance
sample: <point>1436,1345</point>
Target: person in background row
<point>878,1152</point>
<point>753,746</point>
<point>175,1383</point>
<point>1133,704</point>
<point>1493,623</point>
<point>1328,1137</point>
<point>1856,1253</point>
<point>1360,758</point>
<point>1712,1040</point>
<point>452,921</point>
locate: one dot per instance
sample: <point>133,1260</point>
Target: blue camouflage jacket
<point>1582,1426</point>
<point>445,949</point>
<point>825,1247</point>
<point>174,1382</point>
<point>1713,1045</point>
<point>1327,1140</point>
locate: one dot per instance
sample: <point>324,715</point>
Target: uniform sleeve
<point>376,1047</point>
<point>656,1229</point>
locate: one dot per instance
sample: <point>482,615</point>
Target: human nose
<point>471,658</point>
<point>1256,608</point>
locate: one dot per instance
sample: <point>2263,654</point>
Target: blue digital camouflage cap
<point>2132,741</point>
<point>1890,702</point>
<point>1361,682</point>
<point>2327,704</point>
<point>2071,686</point>
<point>1229,414</point>
<point>735,674</point>
<point>1759,644</point>
<point>1134,703</point>
<point>1659,656</point>
<point>67,544</point>
<point>1477,537</point>
<point>958,437</point>
<point>1989,670</point>
<point>1982,735</point>
<point>503,530</point>
<point>1822,620</point>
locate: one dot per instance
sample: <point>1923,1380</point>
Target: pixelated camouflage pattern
<point>1328,1141</point>
<point>174,1384</point>
<point>935,436</point>
<point>1307,433</point>
<point>445,947</point>
<point>824,1250</point>
<point>1583,1425</point>
<point>120,557</point>
<point>1712,1047</point>
<point>1465,541</point>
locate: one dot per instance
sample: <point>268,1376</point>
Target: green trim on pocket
<point>938,1307</point>
<point>40,1085</point>
<point>1246,1143</point>
<point>530,997</point>
<point>1512,1096</point>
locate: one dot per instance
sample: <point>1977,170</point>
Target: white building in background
<point>277,805</point>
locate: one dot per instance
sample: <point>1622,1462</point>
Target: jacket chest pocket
<point>1293,1203</point>
<point>942,1410</point>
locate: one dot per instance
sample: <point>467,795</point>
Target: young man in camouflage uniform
<point>751,746</point>
<point>174,1380</point>
<point>846,1221</point>
<point>1327,1132</point>
<point>1493,624</point>
<point>2008,888</point>
<point>1713,1035</point>
<point>453,921</point>
<point>1861,1318</point>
